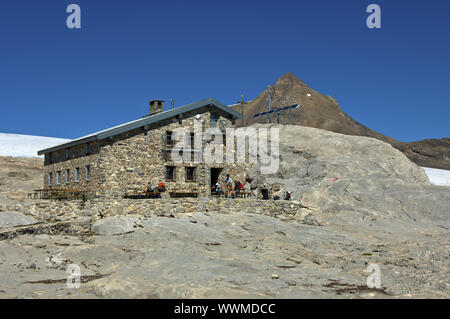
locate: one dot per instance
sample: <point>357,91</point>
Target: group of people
<point>231,188</point>
<point>151,188</point>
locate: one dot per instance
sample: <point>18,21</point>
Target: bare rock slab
<point>116,225</point>
<point>13,219</point>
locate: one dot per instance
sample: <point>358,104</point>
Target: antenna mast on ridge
<point>269,93</point>
<point>242,102</point>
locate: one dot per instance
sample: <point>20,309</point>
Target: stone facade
<point>130,160</point>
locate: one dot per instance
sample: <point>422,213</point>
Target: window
<point>58,178</point>
<point>67,176</point>
<point>190,174</point>
<point>170,173</point>
<point>77,174</point>
<point>192,138</point>
<point>50,157</point>
<point>88,173</point>
<point>67,153</point>
<point>169,140</point>
<point>50,179</point>
<point>213,120</point>
<point>87,149</point>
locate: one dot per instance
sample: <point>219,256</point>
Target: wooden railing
<point>58,194</point>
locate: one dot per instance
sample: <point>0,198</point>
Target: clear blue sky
<point>59,82</point>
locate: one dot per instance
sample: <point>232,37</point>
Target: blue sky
<point>59,82</point>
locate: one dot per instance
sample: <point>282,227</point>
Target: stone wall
<point>77,159</point>
<point>96,209</point>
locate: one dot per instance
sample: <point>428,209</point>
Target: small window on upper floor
<point>77,174</point>
<point>50,157</point>
<point>191,173</point>
<point>213,120</point>
<point>87,149</point>
<point>67,153</point>
<point>170,173</point>
<point>192,140</point>
<point>169,139</point>
<point>88,173</point>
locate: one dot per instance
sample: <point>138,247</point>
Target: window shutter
<point>174,174</point>
<point>195,174</point>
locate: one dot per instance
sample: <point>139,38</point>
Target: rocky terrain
<point>336,175</point>
<point>321,111</point>
<point>18,177</point>
<point>428,153</point>
<point>236,255</point>
<point>362,202</point>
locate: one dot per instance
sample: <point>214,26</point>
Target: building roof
<point>100,135</point>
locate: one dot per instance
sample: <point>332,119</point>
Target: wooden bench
<point>137,194</point>
<point>177,194</point>
<point>58,194</point>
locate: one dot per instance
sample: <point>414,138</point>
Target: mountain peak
<point>289,79</point>
<point>323,112</point>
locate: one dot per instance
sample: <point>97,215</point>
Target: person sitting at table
<point>228,181</point>
<point>232,193</point>
<point>237,186</point>
<point>218,188</point>
<point>161,187</point>
<point>247,185</point>
<point>150,187</point>
<point>229,186</point>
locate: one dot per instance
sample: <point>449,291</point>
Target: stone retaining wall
<point>97,209</point>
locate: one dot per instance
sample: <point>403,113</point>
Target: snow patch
<point>17,145</point>
<point>439,177</point>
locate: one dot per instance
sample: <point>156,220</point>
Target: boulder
<point>116,225</point>
<point>335,175</point>
<point>13,219</point>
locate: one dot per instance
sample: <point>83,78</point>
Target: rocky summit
<point>357,203</point>
<point>322,111</point>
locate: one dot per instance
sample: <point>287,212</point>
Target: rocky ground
<point>18,177</point>
<point>365,203</point>
<point>226,256</point>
